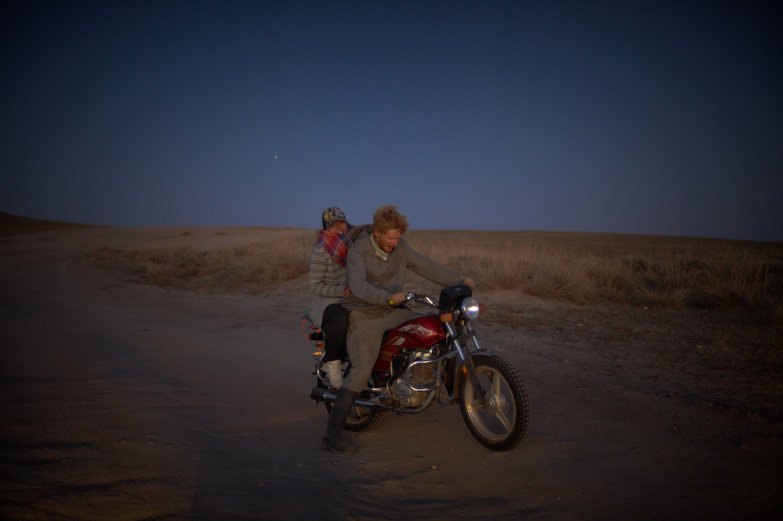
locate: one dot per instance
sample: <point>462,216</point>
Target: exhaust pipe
<point>320,394</point>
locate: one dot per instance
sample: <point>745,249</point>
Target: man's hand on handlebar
<point>397,299</point>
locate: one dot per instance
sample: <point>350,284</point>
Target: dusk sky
<point>660,118</point>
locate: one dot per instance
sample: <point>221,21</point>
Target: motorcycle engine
<point>423,375</point>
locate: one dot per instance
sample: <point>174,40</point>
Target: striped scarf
<point>335,245</point>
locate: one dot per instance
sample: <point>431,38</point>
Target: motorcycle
<point>436,357</point>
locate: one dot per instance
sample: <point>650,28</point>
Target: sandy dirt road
<point>127,402</point>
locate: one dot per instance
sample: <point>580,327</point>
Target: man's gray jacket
<point>374,280</point>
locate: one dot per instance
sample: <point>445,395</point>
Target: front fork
<point>466,362</point>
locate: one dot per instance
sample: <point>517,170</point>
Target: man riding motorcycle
<point>377,266</point>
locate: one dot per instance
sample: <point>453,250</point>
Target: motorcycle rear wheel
<point>503,423</point>
<point>360,419</point>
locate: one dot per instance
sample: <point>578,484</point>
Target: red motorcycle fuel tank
<point>418,333</point>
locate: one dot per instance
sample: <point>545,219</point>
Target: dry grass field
<point>160,373</point>
<point>579,268</point>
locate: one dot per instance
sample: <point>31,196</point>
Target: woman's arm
<point>319,270</point>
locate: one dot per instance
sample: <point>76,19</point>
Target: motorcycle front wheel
<point>502,422</point>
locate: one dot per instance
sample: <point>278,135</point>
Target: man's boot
<point>334,440</point>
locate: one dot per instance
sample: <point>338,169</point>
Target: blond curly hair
<point>388,218</point>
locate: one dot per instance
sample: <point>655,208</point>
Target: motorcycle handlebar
<point>417,297</point>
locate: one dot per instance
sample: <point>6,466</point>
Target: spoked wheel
<point>502,422</point>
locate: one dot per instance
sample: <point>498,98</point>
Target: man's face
<point>388,241</point>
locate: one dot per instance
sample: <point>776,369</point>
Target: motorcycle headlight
<point>469,308</point>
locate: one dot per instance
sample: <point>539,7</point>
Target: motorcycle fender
<point>484,351</point>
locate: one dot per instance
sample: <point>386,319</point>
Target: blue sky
<point>658,118</point>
